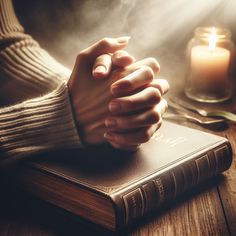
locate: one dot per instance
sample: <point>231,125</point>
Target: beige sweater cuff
<point>37,125</point>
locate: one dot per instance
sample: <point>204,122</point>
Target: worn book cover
<point>113,188</point>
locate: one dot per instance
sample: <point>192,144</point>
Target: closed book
<point>113,189</point>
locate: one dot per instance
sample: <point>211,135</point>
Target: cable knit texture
<point>35,113</point>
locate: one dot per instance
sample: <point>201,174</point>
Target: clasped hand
<point>115,98</point>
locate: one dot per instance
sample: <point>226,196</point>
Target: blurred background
<point>158,28</point>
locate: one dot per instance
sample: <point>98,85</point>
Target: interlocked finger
<point>102,66</point>
<point>122,58</point>
<point>140,78</point>
<point>136,137</point>
<point>134,121</point>
<point>144,99</point>
<point>161,84</point>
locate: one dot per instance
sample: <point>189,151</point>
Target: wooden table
<point>207,210</point>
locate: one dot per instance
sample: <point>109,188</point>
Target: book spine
<point>165,187</point>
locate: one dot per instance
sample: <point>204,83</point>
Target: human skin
<point>126,107</point>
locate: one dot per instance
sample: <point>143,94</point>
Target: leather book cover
<point>125,176</point>
<point>107,170</point>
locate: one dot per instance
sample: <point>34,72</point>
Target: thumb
<point>104,46</point>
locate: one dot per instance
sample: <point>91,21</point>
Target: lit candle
<point>209,65</point>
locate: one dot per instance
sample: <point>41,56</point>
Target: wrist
<point>89,115</point>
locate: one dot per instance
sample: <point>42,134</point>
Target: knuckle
<point>130,104</point>
<point>162,85</point>
<point>82,55</point>
<point>155,117</point>
<point>103,59</point>
<point>155,95</point>
<point>145,136</point>
<point>105,42</point>
<point>154,64</point>
<point>119,53</point>
<point>148,72</point>
<point>129,84</point>
<point>160,88</point>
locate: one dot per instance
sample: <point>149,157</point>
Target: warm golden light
<point>212,39</point>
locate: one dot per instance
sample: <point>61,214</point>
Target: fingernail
<point>114,107</point>
<point>100,69</point>
<point>123,40</point>
<point>110,123</point>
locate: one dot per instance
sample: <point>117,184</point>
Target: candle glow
<point>212,39</point>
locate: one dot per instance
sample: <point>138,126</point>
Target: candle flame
<point>212,39</point>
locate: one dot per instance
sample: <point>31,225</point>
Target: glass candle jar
<point>210,54</point>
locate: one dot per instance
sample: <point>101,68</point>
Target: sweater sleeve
<point>35,113</point>
<point>23,63</point>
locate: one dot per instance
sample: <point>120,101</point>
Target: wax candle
<point>210,54</point>
<point>209,65</point>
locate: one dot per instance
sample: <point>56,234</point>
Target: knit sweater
<point>35,109</point>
